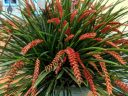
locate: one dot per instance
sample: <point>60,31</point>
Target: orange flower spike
<point>106,28</point>
<point>108,25</point>
<point>55,61</point>
<point>114,23</point>
<point>68,31</point>
<point>49,67</point>
<point>75,2</point>
<point>36,70</point>
<point>28,92</point>
<point>107,42</point>
<point>12,24</point>
<point>98,39</point>
<point>98,26</point>
<point>54,20</point>
<point>91,20</point>
<point>69,37</point>
<point>7,29</point>
<point>91,83</point>
<point>122,85</point>
<point>58,68</point>
<point>117,56</point>
<point>74,13</point>
<point>112,44</point>
<point>30,45</point>
<point>117,30</point>
<point>28,7</point>
<point>18,64</point>
<point>109,28</point>
<point>87,75</point>
<point>12,73</point>
<point>57,57</point>
<point>106,7</point>
<point>59,8</point>
<point>86,13</point>
<point>87,35</point>
<point>33,5</point>
<point>60,65</point>
<point>64,23</point>
<point>107,78</point>
<point>121,41</point>
<point>74,64</point>
<point>35,76</point>
<point>96,68</point>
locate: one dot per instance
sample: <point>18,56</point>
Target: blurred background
<point>4,4</point>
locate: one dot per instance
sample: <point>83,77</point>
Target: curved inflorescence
<point>74,64</point>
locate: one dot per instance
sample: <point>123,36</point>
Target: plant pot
<point>74,91</point>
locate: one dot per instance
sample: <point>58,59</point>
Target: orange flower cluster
<point>7,29</point>
<point>116,30</point>
<point>107,42</point>
<point>28,7</point>
<point>121,41</point>
<point>57,21</point>
<point>117,23</point>
<point>69,38</point>
<point>90,81</point>
<point>91,20</point>
<point>54,20</point>
<point>58,68</point>
<point>117,56</point>
<point>87,35</point>
<point>28,92</point>
<point>94,65</point>
<point>12,73</point>
<point>114,23</point>
<point>110,28</point>
<point>74,64</point>
<point>73,15</point>
<point>35,76</point>
<point>11,23</point>
<point>14,69</point>
<point>55,61</point>
<point>32,5</point>
<point>64,23</point>
<point>122,85</point>
<point>112,44</point>
<point>107,78</point>
<point>60,65</point>
<point>68,31</point>
<point>86,13</point>
<point>106,29</point>
<point>99,25</point>
<point>87,75</point>
<point>59,8</point>
<point>30,45</point>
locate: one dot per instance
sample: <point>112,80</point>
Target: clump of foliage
<point>66,44</point>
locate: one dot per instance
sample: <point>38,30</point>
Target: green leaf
<point>42,76</point>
